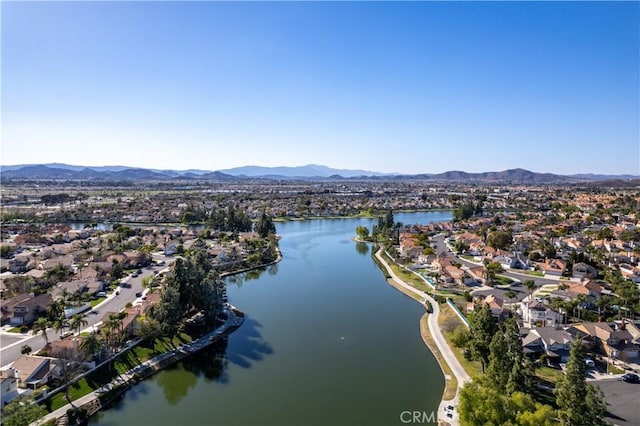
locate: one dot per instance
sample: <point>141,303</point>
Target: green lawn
<point>502,280</point>
<point>473,368</point>
<point>14,330</point>
<point>534,273</point>
<point>548,374</point>
<point>97,301</point>
<point>122,364</point>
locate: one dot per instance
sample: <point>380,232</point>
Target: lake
<point>326,341</point>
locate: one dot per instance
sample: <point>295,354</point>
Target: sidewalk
<point>457,369</point>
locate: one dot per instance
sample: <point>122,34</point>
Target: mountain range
<point>58,171</point>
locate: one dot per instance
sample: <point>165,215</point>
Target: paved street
<point>622,401</point>
<point>11,349</point>
<point>440,246</point>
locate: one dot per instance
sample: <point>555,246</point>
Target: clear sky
<point>395,87</point>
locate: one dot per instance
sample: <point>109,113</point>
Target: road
<point>432,321</point>
<point>440,246</point>
<point>114,303</point>
<point>622,401</point>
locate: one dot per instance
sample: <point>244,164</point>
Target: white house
<point>537,313</point>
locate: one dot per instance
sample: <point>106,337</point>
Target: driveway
<point>622,401</point>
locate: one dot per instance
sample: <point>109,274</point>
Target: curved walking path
<point>439,339</point>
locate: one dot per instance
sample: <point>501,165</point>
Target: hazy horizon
<point>350,169</point>
<point>410,87</point>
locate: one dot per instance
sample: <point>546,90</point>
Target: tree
<point>362,232</point>
<point>579,403</point>
<point>499,240</point>
<point>509,370</point>
<point>148,330</point>
<point>168,312</point>
<point>112,328</point>
<point>92,345</point>
<point>40,325</point>
<point>77,322</point>
<point>265,226</point>
<point>69,366</point>
<point>530,285</point>
<point>482,331</point>
<point>460,337</point>
<point>59,324</point>
<point>55,309</point>
<point>482,404</point>
<point>491,270</point>
<point>22,411</point>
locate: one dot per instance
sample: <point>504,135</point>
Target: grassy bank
<point>110,371</point>
<point>448,321</point>
<point>450,382</point>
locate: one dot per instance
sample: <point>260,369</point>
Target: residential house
<point>136,259</point>
<point>582,270</point>
<point>553,267</point>
<point>555,342</point>
<point>8,385</point>
<point>32,372</point>
<point>514,261</point>
<point>612,339</point>
<point>69,287</point>
<point>20,264</point>
<point>24,310</point>
<point>68,347</point>
<point>495,303</point>
<point>630,272</point>
<point>129,320</point>
<point>536,313</point>
<point>66,261</point>
<point>588,288</point>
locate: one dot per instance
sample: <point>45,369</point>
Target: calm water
<point>326,342</point>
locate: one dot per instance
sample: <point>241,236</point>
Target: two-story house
<point>25,310</point>
<point>612,339</point>
<point>550,340</point>
<point>537,313</point>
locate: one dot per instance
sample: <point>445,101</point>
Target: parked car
<point>139,294</point>
<point>631,378</point>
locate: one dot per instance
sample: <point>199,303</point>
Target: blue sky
<point>396,87</point>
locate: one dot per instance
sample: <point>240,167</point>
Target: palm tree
<point>92,345</point>
<point>112,331</point>
<point>77,322</point>
<point>491,270</point>
<point>56,309</point>
<point>41,325</point>
<point>531,286</point>
<point>59,324</point>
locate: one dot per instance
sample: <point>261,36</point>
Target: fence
<point>457,311</point>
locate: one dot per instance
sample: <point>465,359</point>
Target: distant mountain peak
<point>59,171</point>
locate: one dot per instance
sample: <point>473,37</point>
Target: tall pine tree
<point>580,403</point>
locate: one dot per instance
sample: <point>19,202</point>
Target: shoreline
<point>443,353</point>
<point>92,401</point>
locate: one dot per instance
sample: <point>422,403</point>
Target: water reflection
<point>248,346</point>
<point>362,248</point>
<point>239,279</point>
